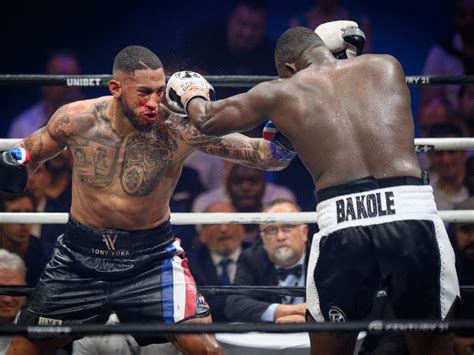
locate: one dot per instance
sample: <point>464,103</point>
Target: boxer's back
<point>350,120</point>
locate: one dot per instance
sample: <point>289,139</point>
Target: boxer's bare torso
<point>346,119</point>
<point>355,122</point>
<point>124,178</point>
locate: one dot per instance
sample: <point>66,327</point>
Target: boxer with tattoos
<point>118,252</point>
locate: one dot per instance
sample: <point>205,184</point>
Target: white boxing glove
<point>185,85</point>
<point>343,38</point>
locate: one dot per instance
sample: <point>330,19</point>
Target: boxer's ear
<point>291,67</point>
<point>115,88</point>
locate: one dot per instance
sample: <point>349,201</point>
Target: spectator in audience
<point>466,100</point>
<point>466,108</point>
<point>469,175</point>
<point>463,244</point>
<point>60,169</point>
<point>211,169</point>
<point>279,258</point>
<point>447,169</point>
<point>51,187</point>
<point>214,261</point>
<point>187,189</point>
<point>37,185</point>
<point>16,237</point>
<point>241,46</point>
<point>453,56</point>
<point>56,198</point>
<point>437,111</point>
<point>53,97</point>
<point>297,178</point>
<point>247,190</point>
<point>12,272</point>
<point>331,10</point>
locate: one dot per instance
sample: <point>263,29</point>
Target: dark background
<point>97,30</point>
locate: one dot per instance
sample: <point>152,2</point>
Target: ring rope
<point>421,144</point>
<point>181,218</point>
<point>256,291</point>
<point>151,329</point>
<point>216,80</point>
<point>24,291</point>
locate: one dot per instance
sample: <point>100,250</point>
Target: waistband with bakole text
<point>377,206</point>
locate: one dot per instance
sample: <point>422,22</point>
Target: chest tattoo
<point>145,160</point>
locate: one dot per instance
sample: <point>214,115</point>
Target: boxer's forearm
<point>214,118</point>
<point>199,118</point>
<point>261,156</point>
<point>238,148</point>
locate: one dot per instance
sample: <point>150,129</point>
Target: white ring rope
<point>422,144</point>
<point>7,143</point>
<point>426,144</point>
<point>464,216</point>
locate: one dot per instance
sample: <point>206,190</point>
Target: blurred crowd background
<point>96,30</point>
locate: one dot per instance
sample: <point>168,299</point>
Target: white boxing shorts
<point>380,234</point>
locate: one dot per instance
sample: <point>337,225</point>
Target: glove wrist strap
<point>192,93</point>
<point>280,153</point>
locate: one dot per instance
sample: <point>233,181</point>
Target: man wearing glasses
<point>278,258</point>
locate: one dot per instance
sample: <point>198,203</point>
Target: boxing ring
<point>361,327</point>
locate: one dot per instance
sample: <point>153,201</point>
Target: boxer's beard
<point>284,254</point>
<point>143,126</point>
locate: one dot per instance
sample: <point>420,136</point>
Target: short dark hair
<point>293,42</point>
<point>133,58</point>
<point>4,198</point>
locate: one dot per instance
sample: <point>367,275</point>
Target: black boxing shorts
<point>142,276</point>
<point>380,234</point>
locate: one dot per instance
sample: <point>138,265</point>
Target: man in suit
<point>17,238</point>
<point>279,258</point>
<point>12,272</point>
<point>214,261</point>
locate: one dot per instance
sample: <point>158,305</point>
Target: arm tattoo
<point>95,148</point>
<point>61,128</point>
<point>235,147</point>
<point>34,143</point>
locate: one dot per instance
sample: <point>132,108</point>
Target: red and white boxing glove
<point>280,146</point>
<point>343,38</point>
<point>184,86</point>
